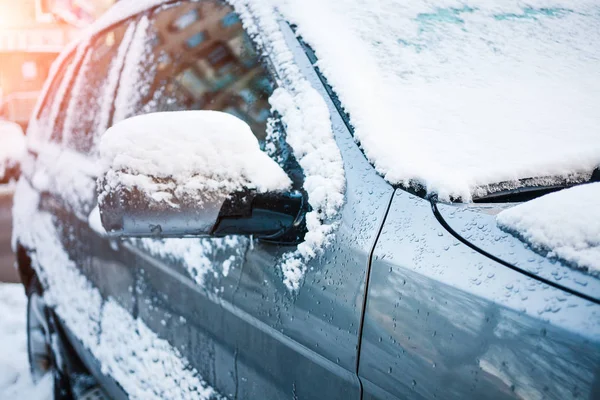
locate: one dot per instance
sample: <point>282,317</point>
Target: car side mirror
<point>193,173</point>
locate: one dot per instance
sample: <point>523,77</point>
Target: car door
<point>223,302</point>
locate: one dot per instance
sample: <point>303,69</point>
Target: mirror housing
<point>193,173</point>
<point>276,217</point>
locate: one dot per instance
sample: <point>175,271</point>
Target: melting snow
<point>309,133</point>
<point>199,256</point>
<point>565,224</point>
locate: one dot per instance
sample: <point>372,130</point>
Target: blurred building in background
<point>32,34</point>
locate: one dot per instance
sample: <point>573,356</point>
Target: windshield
<point>466,100</point>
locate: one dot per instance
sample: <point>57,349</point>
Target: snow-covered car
<point>337,199</point>
<point>12,149</point>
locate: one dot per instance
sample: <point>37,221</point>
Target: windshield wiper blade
<point>531,191</point>
<point>520,194</point>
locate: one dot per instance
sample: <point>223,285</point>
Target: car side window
<point>53,98</point>
<point>91,102</point>
<point>196,56</point>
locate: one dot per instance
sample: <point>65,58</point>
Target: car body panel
<point>443,320</point>
<point>476,223</point>
<point>283,339</point>
<point>324,316</point>
<point>108,384</point>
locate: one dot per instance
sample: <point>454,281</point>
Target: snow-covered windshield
<point>463,97</point>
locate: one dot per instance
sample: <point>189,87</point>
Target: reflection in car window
<point>52,99</point>
<point>197,56</point>
<point>89,110</point>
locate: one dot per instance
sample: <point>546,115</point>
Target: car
<point>167,252</point>
<point>12,147</point>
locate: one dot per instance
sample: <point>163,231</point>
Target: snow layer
<point>69,175</point>
<point>459,94</point>
<point>134,83</point>
<point>199,256</point>
<point>77,123</point>
<point>186,160</point>
<point>157,370</point>
<point>308,131</point>
<point>12,145</point>
<point>15,379</point>
<point>198,152</point>
<point>564,224</point>
<point>146,366</point>
<point>95,222</point>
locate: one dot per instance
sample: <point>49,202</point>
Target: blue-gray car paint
<point>441,319</point>
<point>444,321</point>
<point>476,223</point>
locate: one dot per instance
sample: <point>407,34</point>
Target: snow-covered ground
<point>15,380</point>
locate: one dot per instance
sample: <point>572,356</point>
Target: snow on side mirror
<point>191,173</point>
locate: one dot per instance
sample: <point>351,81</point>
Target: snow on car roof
<point>459,94</point>
<point>565,224</point>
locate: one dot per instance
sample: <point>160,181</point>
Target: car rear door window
<point>50,107</point>
<point>92,98</point>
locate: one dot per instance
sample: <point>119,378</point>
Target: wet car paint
<point>444,321</point>
<point>477,225</point>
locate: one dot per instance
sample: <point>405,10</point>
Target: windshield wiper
<point>526,193</point>
<point>519,195</point>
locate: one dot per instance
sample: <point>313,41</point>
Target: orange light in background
<point>12,14</point>
<point>30,39</point>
